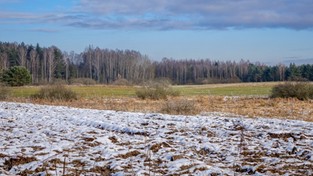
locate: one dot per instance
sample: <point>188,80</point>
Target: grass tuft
<point>156,91</point>
<point>4,92</point>
<point>55,92</point>
<point>82,81</point>
<point>181,107</point>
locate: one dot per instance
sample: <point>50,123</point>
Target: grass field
<point>239,89</point>
<point>246,99</point>
<point>82,91</point>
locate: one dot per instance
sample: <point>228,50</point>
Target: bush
<point>217,81</point>
<point>16,76</point>
<point>299,90</point>
<point>4,92</point>
<point>58,82</point>
<point>55,92</point>
<point>82,81</point>
<point>156,91</point>
<point>182,107</point>
<point>121,82</point>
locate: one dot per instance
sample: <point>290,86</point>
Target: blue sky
<point>255,30</point>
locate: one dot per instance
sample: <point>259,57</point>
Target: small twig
<point>64,165</point>
<point>46,170</point>
<point>56,168</point>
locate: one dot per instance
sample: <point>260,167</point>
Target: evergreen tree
<point>16,76</point>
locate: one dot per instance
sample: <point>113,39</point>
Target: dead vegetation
<point>156,91</point>
<point>156,147</point>
<point>129,154</point>
<point>55,92</point>
<point>290,108</point>
<point>180,106</point>
<point>13,161</point>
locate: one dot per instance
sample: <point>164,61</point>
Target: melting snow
<point>37,139</point>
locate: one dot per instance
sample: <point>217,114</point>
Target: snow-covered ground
<point>36,139</point>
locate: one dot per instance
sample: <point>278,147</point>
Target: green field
<point>243,89</point>
<point>104,91</point>
<point>24,91</point>
<point>82,91</point>
<point>239,89</point>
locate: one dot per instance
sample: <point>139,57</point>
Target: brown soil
<point>8,164</point>
<point>156,147</point>
<point>113,139</point>
<point>130,154</point>
<point>105,171</point>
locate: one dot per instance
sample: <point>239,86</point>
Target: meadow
<point>238,89</point>
<point>245,99</point>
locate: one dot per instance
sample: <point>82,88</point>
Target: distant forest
<point>106,66</point>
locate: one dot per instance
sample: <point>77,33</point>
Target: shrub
<point>121,82</point>
<point>182,107</point>
<point>4,92</point>
<point>16,76</point>
<point>59,82</point>
<point>299,90</point>
<point>151,93</point>
<point>83,81</point>
<point>55,92</point>
<point>216,80</point>
<point>156,91</point>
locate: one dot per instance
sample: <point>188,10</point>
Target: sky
<point>256,30</point>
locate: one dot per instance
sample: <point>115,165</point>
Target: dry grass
<point>239,105</point>
<point>248,99</point>
<point>180,106</point>
<point>259,107</point>
<point>4,92</point>
<point>55,92</point>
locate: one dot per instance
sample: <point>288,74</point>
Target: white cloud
<point>209,14</point>
<point>44,30</point>
<point>177,14</point>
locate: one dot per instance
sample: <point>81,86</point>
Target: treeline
<point>104,66</point>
